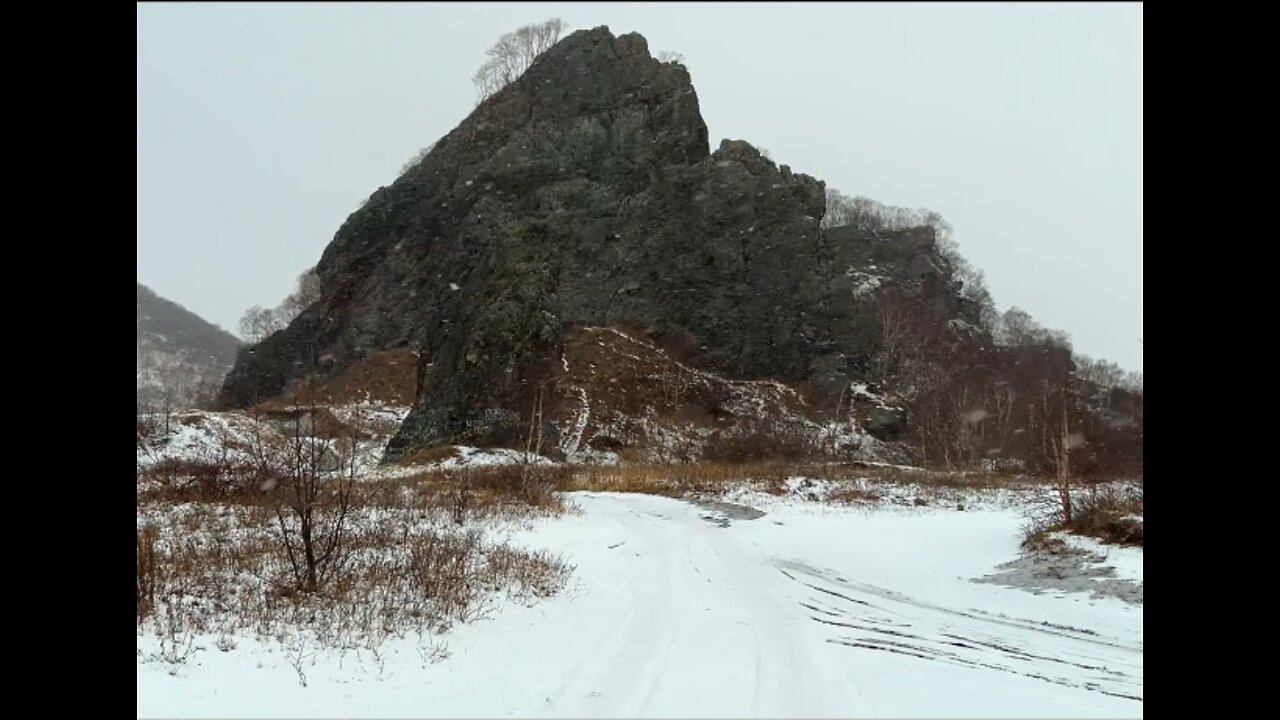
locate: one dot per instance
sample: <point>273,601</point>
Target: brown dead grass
<point>485,491</point>
<point>427,456</point>
<point>1104,513</point>
<point>389,377</point>
<point>464,492</point>
<point>217,566</point>
<point>174,481</point>
<point>627,378</point>
<point>148,572</point>
<point>682,479</point>
<point>211,568</point>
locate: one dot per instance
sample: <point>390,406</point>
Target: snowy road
<point>676,611</point>
<point>704,626</point>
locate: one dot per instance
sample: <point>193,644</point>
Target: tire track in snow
<point>711,630</point>
<point>584,690</point>
<point>974,640</point>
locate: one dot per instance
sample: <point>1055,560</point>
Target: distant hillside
<point>180,355</point>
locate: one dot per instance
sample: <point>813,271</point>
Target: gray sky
<point>261,127</point>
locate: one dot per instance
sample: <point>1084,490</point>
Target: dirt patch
<point>389,377</point>
<point>617,392</point>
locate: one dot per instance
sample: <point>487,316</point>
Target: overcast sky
<point>261,127</point>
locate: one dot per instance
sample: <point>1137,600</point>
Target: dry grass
<point>175,481</point>
<point>427,456</point>
<point>148,577</point>
<point>1106,513</point>
<point>211,558</point>
<point>466,493</point>
<point>390,377</point>
<point>206,568</point>
<point>482,492</point>
<point>472,493</point>
<point>681,480</point>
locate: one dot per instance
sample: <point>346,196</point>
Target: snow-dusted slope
<point>180,355</point>
<point>677,610</point>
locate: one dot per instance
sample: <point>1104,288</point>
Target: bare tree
<point>258,322</point>
<point>667,56</point>
<point>1017,328</point>
<point>908,340</point>
<point>513,54</point>
<point>316,477</point>
<point>306,292</point>
<point>1002,402</point>
<point>417,158</point>
<point>1103,373</point>
<point>1133,382</point>
<point>839,209</point>
<point>1051,420</point>
<point>871,215</point>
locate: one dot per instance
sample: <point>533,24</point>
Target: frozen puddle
<point>723,514</point>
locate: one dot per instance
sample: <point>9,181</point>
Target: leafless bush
<point>149,581</point>
<point>502,486</point>
<point>1110,513</point>
<point>525,574</point>
<point>316,476</point>
<point>223,572</point>
<point>148,428</point>
<point>176,480</point>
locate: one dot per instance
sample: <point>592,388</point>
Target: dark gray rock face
<point>585,193</point>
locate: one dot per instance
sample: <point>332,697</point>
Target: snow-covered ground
<point>682,610</point>
<point>204,436</point>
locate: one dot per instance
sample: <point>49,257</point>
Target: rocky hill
<point>586,195</point>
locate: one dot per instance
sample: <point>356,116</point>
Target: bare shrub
<point>149,581</point>
<point>315,500</point>
<point>1110,513</point>
<point>224,573</point>
<point>175,480</point>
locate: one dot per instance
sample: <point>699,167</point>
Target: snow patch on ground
<point>683,610</point>
<point>817,495</point>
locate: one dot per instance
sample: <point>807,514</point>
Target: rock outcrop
<point>585,194</point>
